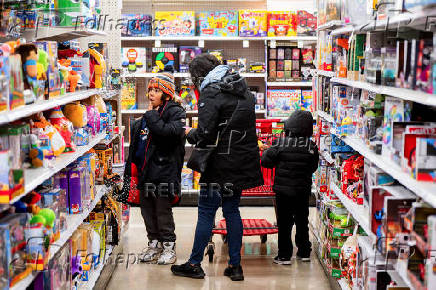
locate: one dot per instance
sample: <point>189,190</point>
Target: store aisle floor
<point>259,271</point>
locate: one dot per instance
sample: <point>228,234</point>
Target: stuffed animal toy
<point>64,127</point>
<point>77,114</point>
<point>56,141</point>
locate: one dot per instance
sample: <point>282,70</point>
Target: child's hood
<point>300,123</point>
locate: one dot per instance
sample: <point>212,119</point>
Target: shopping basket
<point>267,130</point>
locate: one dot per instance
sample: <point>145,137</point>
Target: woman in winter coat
<point>225,113</point>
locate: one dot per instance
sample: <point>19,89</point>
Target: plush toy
<point>77,114</point>
<point>56,141</point>
<point>64,127</point>
<point>100,104</point>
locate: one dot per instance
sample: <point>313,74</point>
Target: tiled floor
<point>259,271</point>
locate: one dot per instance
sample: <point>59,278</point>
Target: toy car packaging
<point>281,23</point>
<point>253,23</point>
<point>137,25</point>
<point>175,23</point>
<point>133,60</point>
<point>218,23</point>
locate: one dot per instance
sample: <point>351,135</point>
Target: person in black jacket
<point>295,158</point>
<point>232,167</point>
<point>156,152</point>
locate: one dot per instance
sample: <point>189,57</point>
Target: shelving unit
<point>219,38</point>
<point>60,34</point>
<point>44,105</point>
<point>34,177</point>
<point>187,75</point>
<point>289,84</point>
<point>74,221</point>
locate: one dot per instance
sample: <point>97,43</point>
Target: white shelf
<point>425,190</point>
<point>405,94</point>
<point>330,74</point>
<point>325,116</point>
<point>60,34</point>
<point>74,221</point>
<point>109,141</point>
<point>357,211</point>
<point>289,84</point>
<point>218,38</point>
<point>109,94</point>
<point>330,24</point>
<point>136,111</point>
<point>36,176</point>
<point>187,75</point>
<point>343,30</point>
<point>253,75</point>
<point>28,110</point>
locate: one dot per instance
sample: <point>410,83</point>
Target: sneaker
<point>168,255</point>
<point>152,252</point>
<point>282,261</point>
<point>235,273</point>
<point>303,258</point>
<point>188,270</point>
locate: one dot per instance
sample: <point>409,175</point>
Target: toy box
<point>4,83</point>
<point>306,23</point>
<point>18,269</point>
<point>218,23</point>
<point>128,96</point>
<point>58,275</point>
<point>253,23</point>
<point>53,79</point>
<point>282,23</point>
<point>133,60</point>
<point>137,25</point>
<point>187,54</point>
<point>175,23</point>
<point>75,190</point>
<point>307,100</point>
<point>72,13</point>
<point>281,103</point>
<point>417,3</point>
<point>425,166</point>
<point>163,56</point>
<point>5,257</point>
<point>16,83</point>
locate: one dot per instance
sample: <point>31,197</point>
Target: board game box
<point>137,25</point>
<point>218,23</point>
<point>133,60</point>
<point>186,55</point>
<point>163,56</point>
<point>307,100</point>
<point>175,23</point>
<point>281,103</point>
<point>306,23</point>
<point>282,23</point>
<point>253,23</point>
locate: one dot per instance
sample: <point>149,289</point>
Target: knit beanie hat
<point>164,81</point>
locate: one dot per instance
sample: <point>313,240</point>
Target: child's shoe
<point>168,255</point>
<point>152,252</point>
<point>303,256</point>
<point>188,270</point>
<point>282,261</point>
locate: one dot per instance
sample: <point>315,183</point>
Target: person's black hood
<point>299,124</point>
<point>233,83</point>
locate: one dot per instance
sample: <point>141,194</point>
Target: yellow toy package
<point>253,23</point>
<point>282,23</point>
<point>175,23</point>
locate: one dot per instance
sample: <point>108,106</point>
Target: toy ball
<point>49,216</point>
<point>37,219</point>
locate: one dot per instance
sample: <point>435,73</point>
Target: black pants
<point>290,211</point>
<point>158,217</point>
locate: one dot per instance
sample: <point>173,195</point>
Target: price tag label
<point>245,43</point>
<point>300,44</point>
<point>273,44</point>
<point>157,43</point>
<point>201,43</point>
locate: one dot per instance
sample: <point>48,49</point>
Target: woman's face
<point>155,97</point>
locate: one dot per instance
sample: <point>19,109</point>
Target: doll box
<point>75,188</point>
<point>54,83</point>
<point>282,23</point>
<point>253,23</point>
<point>186,55</point>
<point>175,23</point>
<point>218,23</point>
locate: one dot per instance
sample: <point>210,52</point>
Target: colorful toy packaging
<point>187,54</point>
<point>58,275</point>
<point>16,83</point>
<point>163,56</point>
<point>128,96</point>
<point>175,23</point>
<point>137,25</point>
<point>282,23</point>
<point>133,60</point>
<point>5,257</point>
<point>281,103</point>
<point>53,89</point>
<point>307,100</point>
<point>253,23</point>
<point>306,23</point>
<point>218,23</point>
